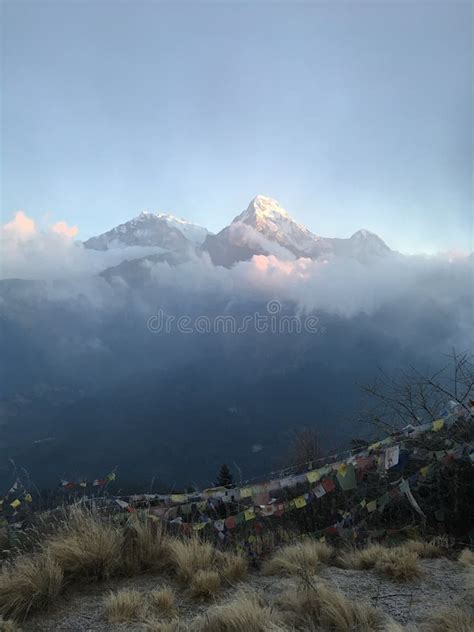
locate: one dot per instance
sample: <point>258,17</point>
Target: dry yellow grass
<point>453,619</point>
<point>245,612</point>
<point>155,625</point>
<point>29,584</point>
<point>205,584</point>
<point>425,550</point>
<point>232,567</point>
<point>143,545</point>
<point>363,559</point>
<point>86,546</point>
<point>304,557</point>
<point>187,557</point>
<point>163,602</point>
<point>8,626</point>
<point>399,564</point>
<point>466,557</point>
<point>125,606</point>
<point>324,607</point>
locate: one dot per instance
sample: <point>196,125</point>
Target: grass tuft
<point>466,557</point>
<point>232,567</point>
<point>7,625</point>
<point>205,584</point>
<point>246,611</point>
<point>452,619</point>
<point>399,564</point>
<point>163,602</point>
<point>155,625</point>
<point>363,559</point>
<point>324,607</point>
<point>29,584</point>
<point>125,606</point>
<point>86,546</point>
<point>187,557</point>
<point>294,559</point>
<point>425,550</point>
<point>143,545</point>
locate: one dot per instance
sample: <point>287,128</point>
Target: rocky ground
<point>81,608</point>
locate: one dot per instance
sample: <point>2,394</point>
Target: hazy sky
<point>350,114</point>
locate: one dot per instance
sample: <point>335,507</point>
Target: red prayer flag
<point>328,485</point>
<point>230,522</point>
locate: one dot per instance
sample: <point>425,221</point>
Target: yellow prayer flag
<point>197,526</point>
<point>322,538</point>
<point>245,492</point>
<point>374,446</point>
<point>313,476</point>
<point>437,425</point>
<point>16,503</point>
<point>179,498</point>
<point>372,506</point>
<point>28,498</point>
<point>300,502</point>
<point>424,470</point>
<point>249,514</point>
<point>342,469</point>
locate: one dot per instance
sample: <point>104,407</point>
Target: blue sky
<point>350,114</point>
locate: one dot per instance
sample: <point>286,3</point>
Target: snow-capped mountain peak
<point>265,215</point>
<point>195,233</point>
<point>265,208</point>
<point>151,229</point>
<point>364,242</point>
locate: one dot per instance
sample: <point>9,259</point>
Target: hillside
<point>366,539</point>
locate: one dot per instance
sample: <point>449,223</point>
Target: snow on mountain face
<point>271,220</point>
<point>265,226</point>
<point>149,229</point>
<point>365,243</point>
<point>194,233</point>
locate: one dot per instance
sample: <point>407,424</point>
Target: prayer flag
<point>313,476</point>
<point>371,506</point>
<point>346,477</point>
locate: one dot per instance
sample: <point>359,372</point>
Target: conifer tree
<point>225,478</point>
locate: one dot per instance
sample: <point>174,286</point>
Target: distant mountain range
<point>264,228</point>
<point>87,384</point>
